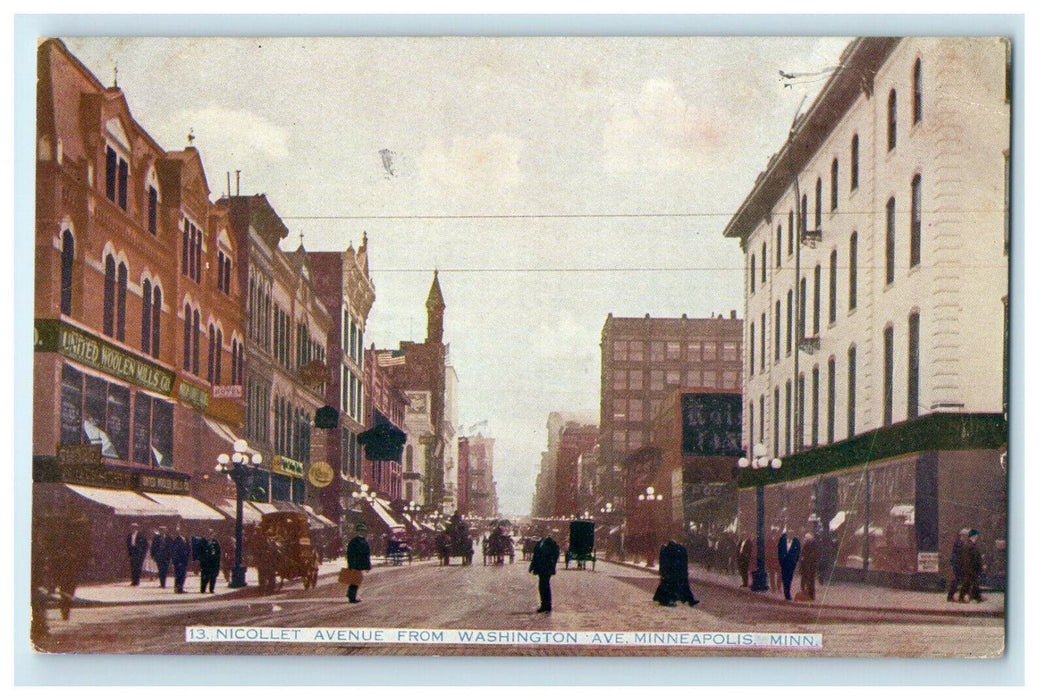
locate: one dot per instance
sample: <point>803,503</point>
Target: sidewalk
<point>853,596</point>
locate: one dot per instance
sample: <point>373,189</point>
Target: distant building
<point>876,255</point>
<point>575,440</point>
<point>385,402</point>
<point>482,491</point>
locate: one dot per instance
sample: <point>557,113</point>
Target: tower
<point>435,306</point>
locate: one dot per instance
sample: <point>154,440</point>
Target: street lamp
<point>239,468</point>
<point>759,461</point>
<point>652,497</point>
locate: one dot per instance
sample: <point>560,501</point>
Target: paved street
<point>423,595</point>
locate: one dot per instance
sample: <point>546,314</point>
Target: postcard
<point>542,346</point>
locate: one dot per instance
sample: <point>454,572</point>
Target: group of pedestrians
<point>967,566</point>
<point>172,550</point>
<point>791,555</point>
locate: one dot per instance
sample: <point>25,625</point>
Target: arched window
<point>109,295</point>
<point>851,391</point>
<point>147,316</point>
<point>157,305</point>
<point>121,301</point>
<point>888,375</point>
<point>891,121</point>
<point>817,300</point>
<point>791,231</point>
<point>817,205</point>
<point>196,342</point>
<point>833,261</point>
<point>815,406</point>
<point>830,408</point>
<point>68,255</point>
<point>210,353</point>
<point>853,270</point>
<point>834,186</point>
<point>152,198</point>
<point>778,249</point>
<point>917,92</point>
<point>855,163</point>
<point>187,351</point>
<point>915,248</point>
<point>802,221</point>
<point>891,222</point>
<point>218,358</point>
<point>913,365</point>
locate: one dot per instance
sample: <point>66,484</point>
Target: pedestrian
<point>956,563</point>
<point>159,554</point>
<point>808,568</point>
<point>210,557</point>
<point>543,565</point>
<point>971,567</point>
<point>674,570</point>
<point>137,548</point>
<point>773,566</point>
<point>179,551</point>
<point>788,557</point>
<point>744,559</point>
<point>357,557</point>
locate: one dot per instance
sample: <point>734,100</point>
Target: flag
<point>391,358</point>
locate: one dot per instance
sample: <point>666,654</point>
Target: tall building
<point>343,284</point>
<point>545,486</point>
<point>139,338</point>
<point>287,332</point>
<point>420,371</point>
<point>482,494</point>
<point>645,360</point>
<point>876,257</point>
<point>575,440</point>
<point>385,405</point>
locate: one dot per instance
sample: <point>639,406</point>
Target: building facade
<point>139,339</point>
<point>876,259</point>
<point>482,490</point>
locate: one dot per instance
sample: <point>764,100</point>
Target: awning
<point>875,531</point>
<point>123,502</point>
<point>225,433</point>
<point>251,516</point>
<point>904,510</point>
<point>325,521</point>
<point>837,521</point>
<point>382,513</point>
<point>186,506</point>
<point>264,507</point>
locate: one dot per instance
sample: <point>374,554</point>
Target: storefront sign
<point>227,391</point>
<point>288,466</point>
<point>74,455</point>
<point>929,562</point>
<point>320,474</point>
<point>162,484</point>
<point>53,335</point>
<point>193,395</point>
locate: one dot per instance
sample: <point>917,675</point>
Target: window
<point>620,347</point>
<point>730,351</point>
<point>803,220</point>
<point>777,250</point>
<point>116,176</point>
<point>657,380</point>
<point>833,192</point>
<point>620,379</point>
<point>791,231</point>
<point>635,410</point>
<point>789,334</point>
<point>913,366</point>
<point>635,379</point>
<point>817,205</point>
<point>777,415</point>
<point>751,275</point>
<point>762,418</point>
<point>635,351</point>
<point>815,405</point>
<point>221,271</point>
<point>157,306</point>
<point>218,357</point>
<point>657,351</point>
<point>708,351</point>
<point>891,121</point>
<point>109,295</point>
<point>800,413</point>
<point>788,417</point>
<point>121,302</point>
<point>833,260</point>
<point>68,255</point>
<point>751,349</point>
<point>674,350</point>
<point>777,331</point>
<point>915,252</point>
<point>147,316</point>
<point>891,216</point>
<point>801,313</point>
<point>196,342</point>
<point>762,343</point>
<point>917,92</point>
<point>853,270</point>
<point>152,197</point>
<point>830,408</point>
<point>888,375</point>
<point>192,251</point>
<point>693,351</point>
<point>187,340</point>
<point>817,300</point>
<point>855,163</point>
<point>851,392</point>
<point>210,353</point>
<point>762,269</point>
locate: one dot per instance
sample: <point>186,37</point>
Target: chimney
<point>733,313</point>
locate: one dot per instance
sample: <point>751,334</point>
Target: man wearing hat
<point>137,548</point>
<point>970,589</point>
<point>158,550</point>
<point>357,556</point>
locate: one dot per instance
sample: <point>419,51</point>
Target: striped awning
<point>123,502</point>
<point>186,506</point>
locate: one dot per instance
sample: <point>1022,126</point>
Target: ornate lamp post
<point>651,497</point>
<point>759,461</point>
<point>239,468</point>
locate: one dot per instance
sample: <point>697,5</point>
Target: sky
<point>551,181</point>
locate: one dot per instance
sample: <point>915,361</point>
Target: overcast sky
<point>551,181</point>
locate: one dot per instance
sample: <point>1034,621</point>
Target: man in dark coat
<point>179,550</point>
<point>788,556</point>
<point>158,551</point>
<point>210,555</point>
<point>357,558</point>
<point>956,563</point>
<point>972,565</point>
<point>543,565</point>
<point>137,548</point>
<point>744,559</point>
<point>808,567</point>
<point>674,571</point>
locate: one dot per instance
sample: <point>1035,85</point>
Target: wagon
<point>455,541</point>
<point>498,546</point>
<point>284,551</point>
<point>582,544</point>
<point>397,550</point>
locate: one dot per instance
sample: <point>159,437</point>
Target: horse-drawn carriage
<point>283,551</point>
<point>497,546</point>
<point>582,544</point>
<point>397,550</point>
<point>455,541</point>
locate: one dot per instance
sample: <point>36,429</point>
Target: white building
<point>875,349</point>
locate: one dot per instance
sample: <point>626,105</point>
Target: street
<point>424,595</point>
